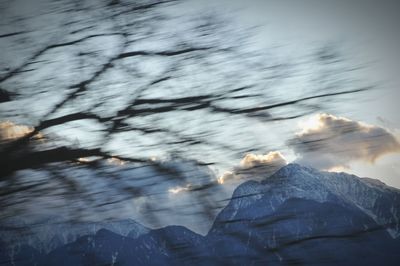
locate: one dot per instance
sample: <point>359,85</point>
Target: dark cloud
<point>327,142</point>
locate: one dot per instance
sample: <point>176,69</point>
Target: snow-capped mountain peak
<point>378,201</point>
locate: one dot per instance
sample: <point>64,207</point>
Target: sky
<point>279,50</point>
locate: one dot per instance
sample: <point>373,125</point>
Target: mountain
<point>296,216</point>
<point>378,201</point>
<point>104,248</point>
<point>301,215</point>
<point>302,231</point>
<point>172,245</point>
<point>46,235</point>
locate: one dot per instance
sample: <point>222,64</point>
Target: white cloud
<point>254,160</point>
<point>179,189</point>
<point>254,166</point>
<point>10,131</point>
<point>330,142</point>
<point>227,175</point>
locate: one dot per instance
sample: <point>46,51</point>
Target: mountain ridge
<point>297,215</point>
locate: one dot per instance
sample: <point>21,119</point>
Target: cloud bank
<point>327,142</point>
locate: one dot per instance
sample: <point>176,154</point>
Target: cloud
<point>179,189</point>
<point>328,142</point>
<point>227,175</point>
<point>254,166</point>
<point>10,131</point>
<point>254,160</point>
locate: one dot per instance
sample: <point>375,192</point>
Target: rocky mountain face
<point>296,216</point>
